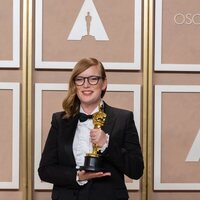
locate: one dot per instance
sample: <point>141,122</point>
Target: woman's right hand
<point>83,175</point>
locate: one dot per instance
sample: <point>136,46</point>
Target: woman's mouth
<point>87,92</point>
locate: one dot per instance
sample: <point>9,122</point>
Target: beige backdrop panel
<point>181,29</point>
<point>6,11</point>
<point>11,195</point>
<point>6,110</point>
<point>180,125</point>
<point>6,29</point>
<point>118,23</point>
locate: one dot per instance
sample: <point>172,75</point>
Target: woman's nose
<point>86,83</point>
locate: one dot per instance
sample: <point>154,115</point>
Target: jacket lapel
<point>110,120</point>
<point>69,129</point>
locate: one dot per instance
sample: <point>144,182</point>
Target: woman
<point>70,139</point>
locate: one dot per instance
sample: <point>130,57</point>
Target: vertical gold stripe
<point>145,97</point>
<point>30,103</point>
<point>23,141</point>
<point>150,101</point>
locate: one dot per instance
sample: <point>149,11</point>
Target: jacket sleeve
<point>124,150</point>
<point>50,168</point>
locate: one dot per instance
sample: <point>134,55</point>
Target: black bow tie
<point>83,117</point>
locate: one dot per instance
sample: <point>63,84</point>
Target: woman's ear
<point>104,85</point>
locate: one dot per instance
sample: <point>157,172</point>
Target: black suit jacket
<point>122,157</point>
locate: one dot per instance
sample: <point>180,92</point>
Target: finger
<point>81,172</point>
<point>92,175</point>
<point>107,174</point>
<point>101,174</point>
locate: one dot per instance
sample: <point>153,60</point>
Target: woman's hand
<point>83,175</point>
<point>98,137</point>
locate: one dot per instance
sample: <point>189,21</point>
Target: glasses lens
<point>93,80</point>
<point>79,80</point>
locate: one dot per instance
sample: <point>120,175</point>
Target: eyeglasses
<point>92,80</point>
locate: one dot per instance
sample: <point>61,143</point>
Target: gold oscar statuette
<point>93,160</point>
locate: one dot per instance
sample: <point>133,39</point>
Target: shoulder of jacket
<point>58,115</point>
<point>117,110</point>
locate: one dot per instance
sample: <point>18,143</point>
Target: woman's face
<point>90,94</point>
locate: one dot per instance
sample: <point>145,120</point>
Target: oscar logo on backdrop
<point>88,24</point>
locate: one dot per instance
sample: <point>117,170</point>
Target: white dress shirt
<point>82,144</point>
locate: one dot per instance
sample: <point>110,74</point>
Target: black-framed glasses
<point>92,80</point>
